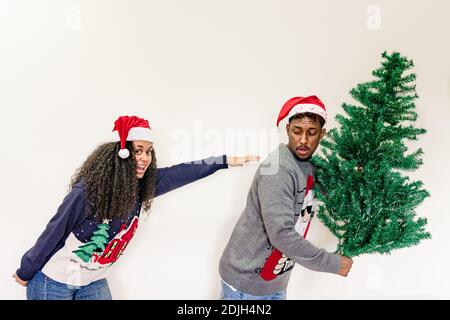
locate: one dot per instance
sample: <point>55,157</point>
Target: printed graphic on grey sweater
<point>277,263</point>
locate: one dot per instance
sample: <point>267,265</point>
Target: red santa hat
<point>293,106</point>
<point>130,129</point>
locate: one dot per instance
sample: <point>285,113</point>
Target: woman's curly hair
<point>111,186</point>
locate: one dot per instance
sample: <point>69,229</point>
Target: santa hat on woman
<point>296,105</point>
<point>132,128</point>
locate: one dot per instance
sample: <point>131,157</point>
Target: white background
<point>69,68</point>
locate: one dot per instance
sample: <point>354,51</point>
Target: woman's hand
<point>239,161</point>
<point>20,281</point>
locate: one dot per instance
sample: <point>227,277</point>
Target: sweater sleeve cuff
<point>336,263</point>
<point>22,276</point>
<point>225,161</point>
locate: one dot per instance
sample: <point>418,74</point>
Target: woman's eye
<point>137,152</point>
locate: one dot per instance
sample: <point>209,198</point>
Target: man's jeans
<point>229,293</point>
<point>41,287</point>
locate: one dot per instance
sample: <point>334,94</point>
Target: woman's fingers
<point>252,158</point>
<point>239,161</point>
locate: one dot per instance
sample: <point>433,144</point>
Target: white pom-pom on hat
<point>124,153</point>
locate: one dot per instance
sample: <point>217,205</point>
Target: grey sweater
<point>268,238</point>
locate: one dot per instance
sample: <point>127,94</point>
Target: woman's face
<point>143,156</point>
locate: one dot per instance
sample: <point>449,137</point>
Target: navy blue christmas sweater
<point>77,249</point>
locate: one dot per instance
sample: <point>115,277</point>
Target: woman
<point>100,214</point>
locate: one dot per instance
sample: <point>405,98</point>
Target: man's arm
<point>277,199</point>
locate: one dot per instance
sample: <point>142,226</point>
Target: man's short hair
<point>312,116</point>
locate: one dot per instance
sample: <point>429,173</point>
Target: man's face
<point>304,137</point>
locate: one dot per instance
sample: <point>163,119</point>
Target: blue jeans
<point>228,293</point>
<point>41,287</point>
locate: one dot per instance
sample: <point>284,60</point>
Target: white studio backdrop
<point>210,76</point>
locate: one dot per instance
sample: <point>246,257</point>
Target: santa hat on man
<point>296,105</point>
<point>130,129</point>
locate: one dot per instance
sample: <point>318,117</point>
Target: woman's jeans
<point>41,287</point>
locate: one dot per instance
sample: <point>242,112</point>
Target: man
<point>269,237</point>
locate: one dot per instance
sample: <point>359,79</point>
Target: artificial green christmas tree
<point>367,201</point>
<point>97,244</point>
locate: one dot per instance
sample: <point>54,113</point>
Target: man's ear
<point>287,128</point>
<point>323,133</point>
